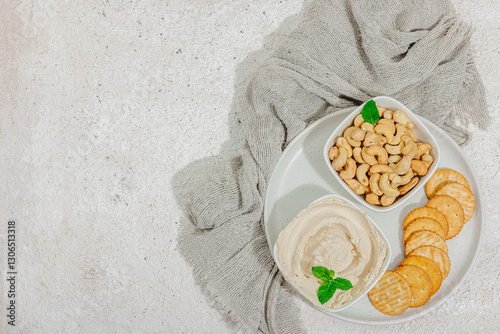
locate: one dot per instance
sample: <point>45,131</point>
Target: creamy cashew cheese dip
<point>333,234</point>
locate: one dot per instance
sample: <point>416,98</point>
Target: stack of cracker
<point>451,204</point>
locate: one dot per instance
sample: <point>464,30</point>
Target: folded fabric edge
<point>186,229</point>
<point>472,101</point>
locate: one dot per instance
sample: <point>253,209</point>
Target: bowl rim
<point>435,152</point>
<point>384,266</point>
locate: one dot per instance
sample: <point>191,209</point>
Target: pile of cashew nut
<point>383,160</point>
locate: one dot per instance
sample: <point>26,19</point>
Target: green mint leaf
<point>326,291</point>
<point>370,112</point>
<point>321,272</point>
<point>329,285</point>
<point>342,283</point>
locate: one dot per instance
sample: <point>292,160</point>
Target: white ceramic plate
<point>301,176</point>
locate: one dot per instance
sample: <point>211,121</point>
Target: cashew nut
<point>333,152</point>
<point>400,131</point>
<point>349,169</point>
<point>358,120</point>
<point>406,188</point>
<point>395,180</point>
<point>361,174</point>
<point>412,135</point>
<point>372,199</point>
<point>348,134</point>
<point>374,179</point>
<point>394,158</point>
<point>373,138</point>
<point>422,148</point>
<point>400,117</point>
<point>409,148</point>
<point>358,135</point>
<point>402,166</point>
<point>379,152</point>
<point>341,160</point>
<point>394,149</point>
<point>390,123</point>
<point>381,111</point>
<point>384,130</point>
<point>368,158</point>
<point>387,200</point>
<point>406,178</point>
<point>385,186</point>
<point>356,153</point>
<point>367,127</point>
<point>379,168</point>
<point>427,159</point>
<point>342,142</point>
<point>388,113</point>
<point>356,186</point>
<point>419,167</point>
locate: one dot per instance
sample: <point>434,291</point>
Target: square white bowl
<point>384,266</point>
<point>421,133</point>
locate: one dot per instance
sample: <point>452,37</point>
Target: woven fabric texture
<point>341,54</point>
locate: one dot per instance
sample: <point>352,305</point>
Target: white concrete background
<point>107,107</point>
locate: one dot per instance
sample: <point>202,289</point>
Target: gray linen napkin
<point>341,54</point>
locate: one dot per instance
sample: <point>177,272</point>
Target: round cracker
<point>438,256</point>
<point>425,238</point>
<point>423,224</point>
<point>391,295</point>
<point>430,268</point>
<point>463,195</point>
<point>452,210</point>
<point>442,177</point>
<point>427,212</point>
<point>420,284</point>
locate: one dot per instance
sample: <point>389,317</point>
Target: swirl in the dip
<point>333,234</point>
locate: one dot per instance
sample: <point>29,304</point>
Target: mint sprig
<point>370,112</point>
<point>329,285</point>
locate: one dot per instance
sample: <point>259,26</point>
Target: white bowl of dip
<point>421,132</point>
<point>334,233</point>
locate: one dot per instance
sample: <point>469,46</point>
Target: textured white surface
<point>107,109</point>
